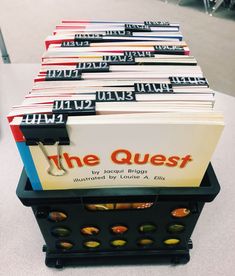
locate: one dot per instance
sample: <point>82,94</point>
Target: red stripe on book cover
<point>56,41</point>
<point>18,136</point>
<point>70,27</point>
<point>76,21</point>
<point>39,79</point>
<point>60,63</point>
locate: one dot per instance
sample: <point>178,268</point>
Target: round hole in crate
<point>92,244</point>
<point>147,228</point>
<point>119,229</point>
<point>145,242</point>
<point>118,243</point>
<point>175,228</point>
<point>57,216</point>
<point>180,212</point>
<point>65,245</point>
<point>60,232</point>
<point>172,241</point>
<point>90,230</point>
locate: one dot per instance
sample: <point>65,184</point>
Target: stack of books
<point>116,104</point>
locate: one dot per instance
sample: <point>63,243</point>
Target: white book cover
<point>145,150</point>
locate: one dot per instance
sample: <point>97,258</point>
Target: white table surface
<point>21,241</point>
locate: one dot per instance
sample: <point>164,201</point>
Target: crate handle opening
<point>118,206</point>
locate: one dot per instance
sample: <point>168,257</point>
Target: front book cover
<point>118,153</point>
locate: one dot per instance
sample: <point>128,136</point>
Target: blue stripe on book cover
<point>29,165</point>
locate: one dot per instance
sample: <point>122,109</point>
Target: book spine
<point>29,165</point>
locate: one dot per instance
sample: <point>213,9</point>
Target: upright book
<point>143,150</point>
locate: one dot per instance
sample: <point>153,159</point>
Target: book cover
<point>124,151</point>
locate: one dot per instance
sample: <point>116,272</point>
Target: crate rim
<point>202,193</point>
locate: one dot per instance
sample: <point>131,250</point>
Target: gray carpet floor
<point>25,24</point>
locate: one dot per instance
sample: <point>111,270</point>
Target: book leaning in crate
<point>116,104</point>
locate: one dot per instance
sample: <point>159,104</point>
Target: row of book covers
<point>116,104</point>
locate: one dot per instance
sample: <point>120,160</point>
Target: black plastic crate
<point>147,234</point>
